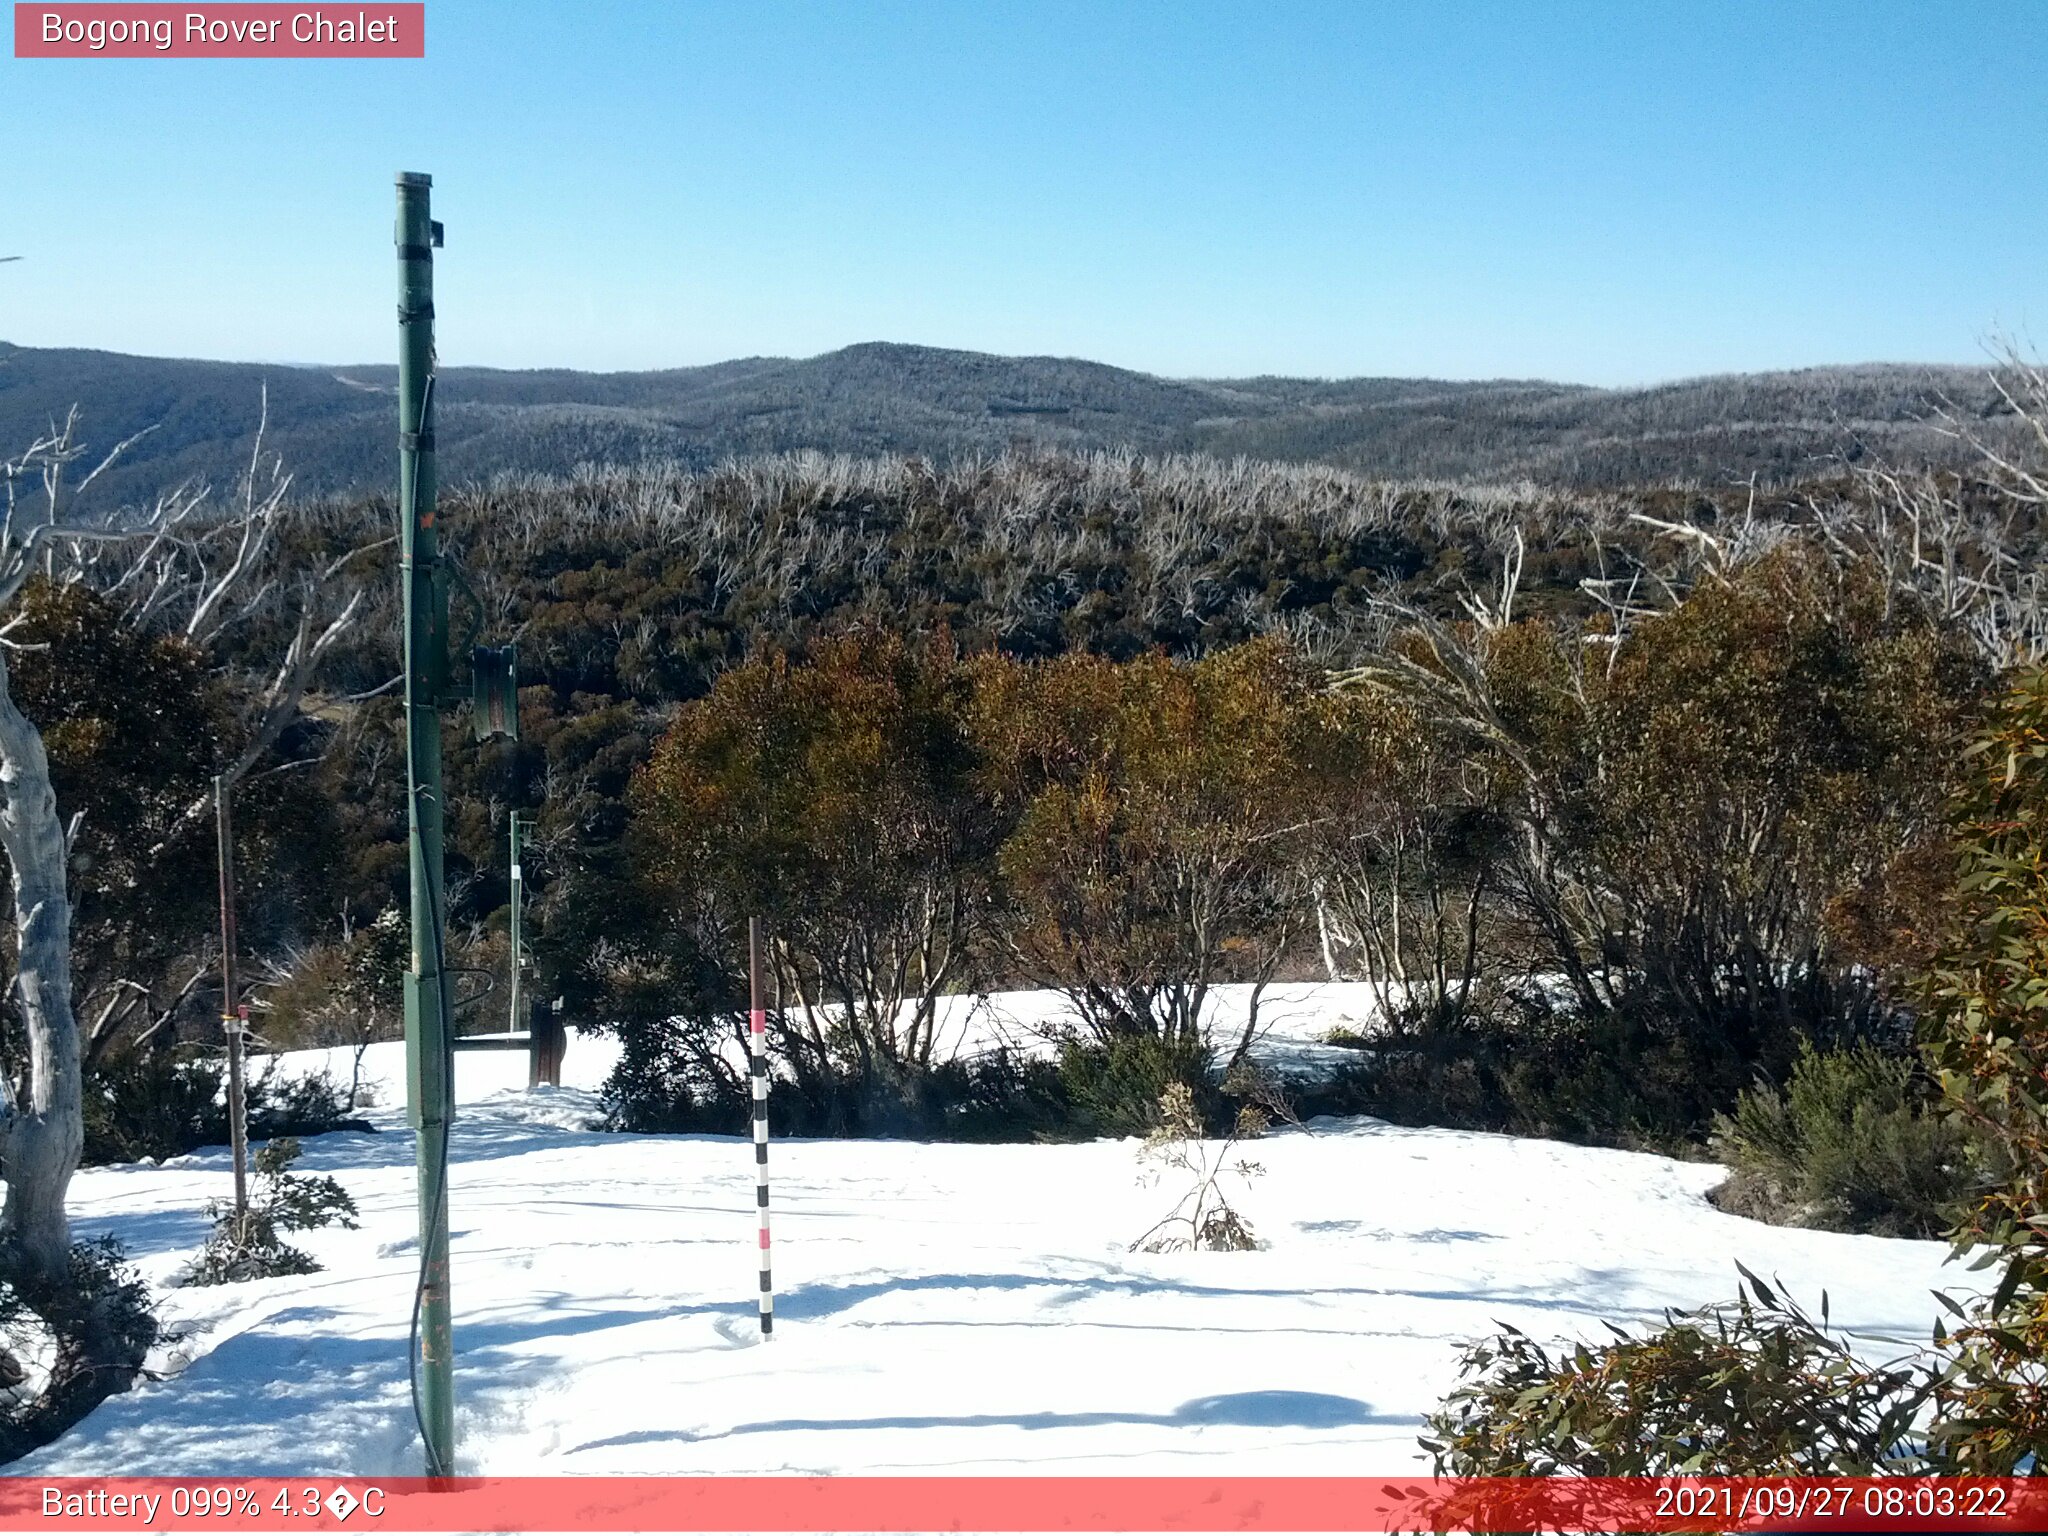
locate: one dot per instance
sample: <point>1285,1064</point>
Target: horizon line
<point>1988,366</point>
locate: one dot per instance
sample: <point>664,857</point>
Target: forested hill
<point>334,425</point>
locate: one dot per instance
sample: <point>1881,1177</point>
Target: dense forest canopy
<point>631,591</point>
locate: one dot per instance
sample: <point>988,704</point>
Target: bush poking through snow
<point>65,1348</point>
<point>148,1104</point>
<point>1115,1087</point>
<point>247,1246</point>
<point>1854,1143</point>
<point>1756,1388</point>
<point>1203,1218</point>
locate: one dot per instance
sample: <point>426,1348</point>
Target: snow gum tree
<point>1758,1388</point>
<point>188,572</point>
<point>836,800</point>
<point>1691,794</point>
<point>1408,863</point>
<point>1162,815</point>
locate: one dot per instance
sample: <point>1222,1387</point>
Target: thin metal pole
<point>533,1043</point>
<point>231,1016</point>
<point>757,1036</point>
<point>427,1009</point>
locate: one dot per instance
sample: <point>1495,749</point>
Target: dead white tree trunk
<point>41,1140</point>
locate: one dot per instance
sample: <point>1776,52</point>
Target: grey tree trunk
<point>41,1141</point>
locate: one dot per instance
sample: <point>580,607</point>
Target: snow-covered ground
<point>941,1308</point>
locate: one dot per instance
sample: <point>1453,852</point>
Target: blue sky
<point>1605,193</point>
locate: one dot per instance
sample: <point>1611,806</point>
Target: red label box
<point>367,29</point>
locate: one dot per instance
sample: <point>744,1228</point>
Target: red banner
<point>894,1504</point>
<point>120,31</point>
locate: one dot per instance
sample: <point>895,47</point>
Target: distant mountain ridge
<point>334,426</point>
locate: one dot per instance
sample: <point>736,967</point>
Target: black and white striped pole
<point>757,1041</point>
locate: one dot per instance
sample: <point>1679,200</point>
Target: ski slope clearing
<point>942,1308</point>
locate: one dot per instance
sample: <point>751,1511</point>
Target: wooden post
<point>233,1017</point>
<point>546,1043</point>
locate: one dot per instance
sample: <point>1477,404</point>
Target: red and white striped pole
<point>757,1039</point>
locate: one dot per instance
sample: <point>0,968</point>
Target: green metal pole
<point>427,1053</point>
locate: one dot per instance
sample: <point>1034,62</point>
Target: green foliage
<point>1762,1392</point>
<point>1987,1041</point>
<point>133,724</point>
<point>1690,821</point>
<point>1697,802</point>
<point>1160,809</point>
<point>1611,1078</point>
<point>1853,1143</point>
<point>136,723</point>
<point>670,1078</point>
<point>1753,1389</point>
<point>249,1244</point>
<point>155,1104</point>
<point>64,1349</point>
<point>151,1104</point>
<point>1114,1087</point>
<point>836,800</point>
<point>1005,1095</point>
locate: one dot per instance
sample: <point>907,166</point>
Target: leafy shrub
<point>1003,1095</point>
<point>838,801</point>
<point>1617,1077</point>
<point>1115,1087</point>
<point>1987,1040</point>
<point>666,1081</point>
<point>309,1104</point>
<point>151,1104</point>
<point>64,1349</point>
<point>142,1104</point>
<point>1761,1390</point>
<point>1159,815</point>
<point>1852,1143</point>
<point>1756,1388</point>
<point>248,1244</point>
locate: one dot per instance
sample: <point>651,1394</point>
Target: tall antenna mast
<point>494,712</point>
<point>429,1054</point>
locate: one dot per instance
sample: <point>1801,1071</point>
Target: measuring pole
<point>427,1012</point>
<point>233,1018</point>
<point>757,1037</point>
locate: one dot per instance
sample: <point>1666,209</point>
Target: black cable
<point>440,1212</point>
